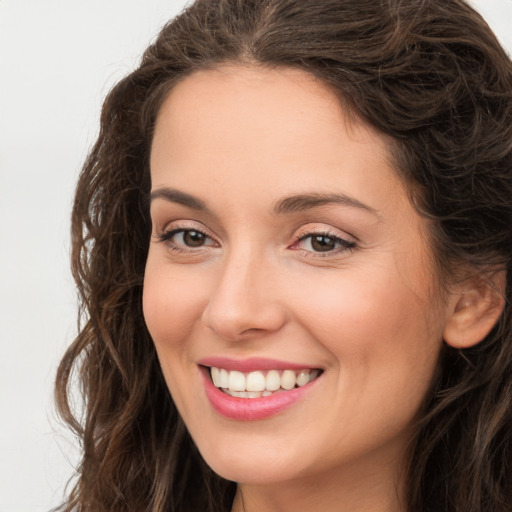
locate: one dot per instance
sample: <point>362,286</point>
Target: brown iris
<point>323,243</point>
<point>193,238</point>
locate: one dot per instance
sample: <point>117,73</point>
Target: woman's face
<point>285,254</point>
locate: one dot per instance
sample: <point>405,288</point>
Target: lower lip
<point>252,409</point>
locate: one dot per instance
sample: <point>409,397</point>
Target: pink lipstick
<point>286,383</point>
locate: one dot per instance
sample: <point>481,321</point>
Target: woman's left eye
<point>322,243</point>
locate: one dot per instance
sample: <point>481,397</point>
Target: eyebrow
<point>176,196</point>
<point>302,202</point>
<point>291,204</point>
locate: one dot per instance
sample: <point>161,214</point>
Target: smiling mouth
<point>258,384</point>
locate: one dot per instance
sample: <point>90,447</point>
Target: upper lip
<point>252,364</point>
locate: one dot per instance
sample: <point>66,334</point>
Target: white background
<point>58,58</point>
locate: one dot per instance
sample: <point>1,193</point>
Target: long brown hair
<point>427,73</point>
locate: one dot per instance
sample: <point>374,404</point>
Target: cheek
<point>377,327</point>
<point>382,352</point>
<point>172,307</point>
<point>362,303</point>
<point>172,303</point>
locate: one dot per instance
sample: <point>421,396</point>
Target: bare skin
<point>345,285</point>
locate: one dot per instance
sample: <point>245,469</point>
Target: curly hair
<point>427,73</point>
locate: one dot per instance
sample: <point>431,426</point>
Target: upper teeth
<point>258,381</point>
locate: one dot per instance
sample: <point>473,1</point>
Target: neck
<point>354,490</point>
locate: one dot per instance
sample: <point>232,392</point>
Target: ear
<point>476,306</point>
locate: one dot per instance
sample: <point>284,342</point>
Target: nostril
<point>242,322</point>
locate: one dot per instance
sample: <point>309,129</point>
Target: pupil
<point>193,238</point>
<point>322,243</point>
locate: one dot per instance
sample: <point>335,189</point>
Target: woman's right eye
<point>183,239</point>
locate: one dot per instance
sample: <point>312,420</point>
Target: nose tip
<point>244,304</point>
<point>236,324</point>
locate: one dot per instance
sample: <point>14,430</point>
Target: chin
<point>259,458</point>
<point>247,469</point>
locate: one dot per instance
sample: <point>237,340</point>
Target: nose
<point>245,300</point>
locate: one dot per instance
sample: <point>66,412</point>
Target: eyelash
<point>166,236</point>
<point>344,244</point>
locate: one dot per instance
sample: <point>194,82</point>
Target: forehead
<point>258,118</point>
<point>250,93</point>
<point>281,86</point>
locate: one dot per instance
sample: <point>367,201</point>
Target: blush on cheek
<point>171,308</point>
<point>367,314</point>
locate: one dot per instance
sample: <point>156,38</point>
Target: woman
<point>292,241</point>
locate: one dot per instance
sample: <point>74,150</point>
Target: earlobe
<point>476,307</point>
